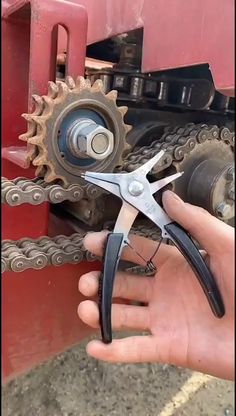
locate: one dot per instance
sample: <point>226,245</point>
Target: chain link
<point>35,191</point>
<point>28,253</point>
<point>177,143</point>
<point>36,254</point>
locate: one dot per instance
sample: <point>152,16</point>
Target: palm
<point>180,315</point>
<point>183,330</point>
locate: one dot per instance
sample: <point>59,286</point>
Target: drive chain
<point>36,254</point>
<point>20,191</point>
<point>177,143</point>
<point>28,253</point>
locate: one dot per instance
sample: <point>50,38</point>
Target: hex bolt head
<point>135,188</point>
<point>223,210</point>
<point>88,139</point>
<point>100,143</point>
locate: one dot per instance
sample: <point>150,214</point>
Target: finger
<point>126,286</point>
<point>135,349</point>
<point>122,316</point>
<point>203,227</point>
<point>95,243</point>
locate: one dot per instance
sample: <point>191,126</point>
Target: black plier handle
<point>137,195</point>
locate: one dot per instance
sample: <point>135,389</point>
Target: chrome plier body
<point>136,193</point>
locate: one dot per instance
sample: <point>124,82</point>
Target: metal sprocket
<point>44,127</point>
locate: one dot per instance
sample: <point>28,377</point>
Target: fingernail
<point>171,195</point>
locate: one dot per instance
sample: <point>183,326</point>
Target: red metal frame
<point>39,307</point>
<point>177,33</point>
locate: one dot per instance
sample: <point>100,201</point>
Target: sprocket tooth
<point>27,117</point>
<point>32,127</point>
<point>63,91</point>
<point>52,90</point>
<point>39,105</point>
<point>40,158</point>
<point>31,151</point>
<point>31,132</point>
<point>112,95</point>
<point>127,147</point>
<point>80,83</point>
<point>88,83</point>
<point>97,86</point>
<point>123,110</point>
<point>128,127</point>
<point>40,171</point>
<point>50,175</point>
<point>40,123</point>
<point>48,105</point>
<point>24,137</point>
<point>70,82</point>
<point>36,140</point>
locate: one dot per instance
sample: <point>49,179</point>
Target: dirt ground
<point>74,385</point>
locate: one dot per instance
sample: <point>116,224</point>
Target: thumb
<point>203,227</point>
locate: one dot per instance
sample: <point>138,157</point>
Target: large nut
<point>88,139</point>
<point>223,210</point>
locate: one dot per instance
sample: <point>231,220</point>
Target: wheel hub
<point>209,186</point>
<point>86,139</point>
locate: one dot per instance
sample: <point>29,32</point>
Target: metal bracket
<point>31,28</point>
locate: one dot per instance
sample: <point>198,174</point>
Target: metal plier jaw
<point>136,193</point>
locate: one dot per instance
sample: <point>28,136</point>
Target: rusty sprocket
<point>45,122</point>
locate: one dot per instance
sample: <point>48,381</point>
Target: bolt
<point>100,143</point>
<point>88,139</point>
<point>135,188</point>
<point>223,210</point>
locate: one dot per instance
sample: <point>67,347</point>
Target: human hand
<point>183,330</point>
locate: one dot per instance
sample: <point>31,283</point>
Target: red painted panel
<point>39,307</point>
<point>39,316</point>
<point>177,33</point>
